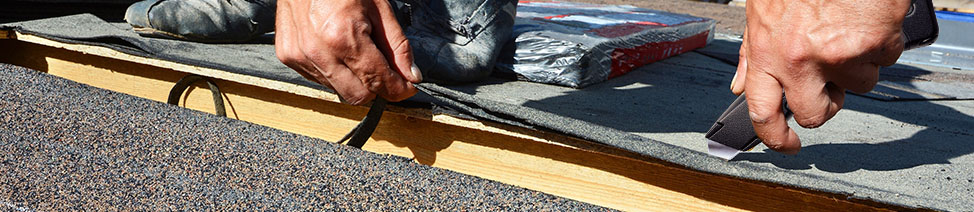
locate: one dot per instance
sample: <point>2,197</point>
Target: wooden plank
<point>208,72</point>
<point>546,162</point>
<point>965,6</point>
<point>951,9</point>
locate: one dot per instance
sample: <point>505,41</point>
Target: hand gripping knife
<point>733,132</point>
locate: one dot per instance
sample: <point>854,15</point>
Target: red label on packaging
<point>625,60</point>
<point>620,30</point>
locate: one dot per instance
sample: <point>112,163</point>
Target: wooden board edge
<point>6,34</point>
<point>952,9</point>
<point>207,72</point>
<point>551,167</point>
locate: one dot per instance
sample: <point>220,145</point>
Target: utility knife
<point>733,133</point>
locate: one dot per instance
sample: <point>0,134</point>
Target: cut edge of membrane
<point>720,150</point>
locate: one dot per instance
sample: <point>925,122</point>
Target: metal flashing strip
<point>954,48</point>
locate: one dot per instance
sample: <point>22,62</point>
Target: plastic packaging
<point>578,44</point>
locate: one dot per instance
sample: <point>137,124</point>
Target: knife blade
<point>733,133</point>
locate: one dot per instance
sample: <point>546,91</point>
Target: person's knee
<point>461,64</point>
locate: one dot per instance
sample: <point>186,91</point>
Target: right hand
<point>355,47</point>
<point>813,51</point>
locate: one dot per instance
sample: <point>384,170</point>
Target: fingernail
<point>733,80</point>
<point>416,73</point>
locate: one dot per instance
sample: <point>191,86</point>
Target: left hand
<point>355,47</point>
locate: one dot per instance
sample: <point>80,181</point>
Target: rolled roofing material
<point>916,153</point>
<point>579,44</point>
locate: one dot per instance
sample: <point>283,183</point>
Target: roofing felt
<point>910,153</point>
<point>70,146</point>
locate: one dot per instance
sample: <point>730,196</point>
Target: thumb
<point>740,76</point>
<point>390,39</point>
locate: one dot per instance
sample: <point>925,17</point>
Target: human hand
<point>355,47</point>
<point>813,51</point>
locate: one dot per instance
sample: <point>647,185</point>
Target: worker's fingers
<point>859,78</point>
<point>883,49</point>
<point>373,70</point>
<point>837,95</point>
<point>809,100</point>
<point>890,51</point>
<point>740,77</point>
<point>327,44</point>
<point>737,83</point>
<point>287,45</point>
<point>349,86</point>
<point>284,32</point>
<point>331,42</point>
<point>284,42</point>
<point>764,105</point>
<point>860,71</point>
<point>324,50</point>
<point>389,38</point>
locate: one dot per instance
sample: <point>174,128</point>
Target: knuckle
<point>399,92</point>
<point>872,43</point>
<point>761,114</point>
<point>865,85</point>
<point>335,38</point>
<point>291,61</point>
<point>342,37</point>
<point>282,54</point>
<point>896,45</point>
<point>775,145</point>
<point>402,48</point>
<point>326,73</point>
<point>287,56</point>
<point>357,98</point>
<point>338,35</point>
<point>371,80</point>
<point>797,56</point>
<point>811,122</point>
<point>331,42</point>
<point>361,27</point>
<point>891,51</point>
<point>834,57</point>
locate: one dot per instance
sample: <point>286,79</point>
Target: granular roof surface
<point>902,149</point>
<point>69,146</point>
